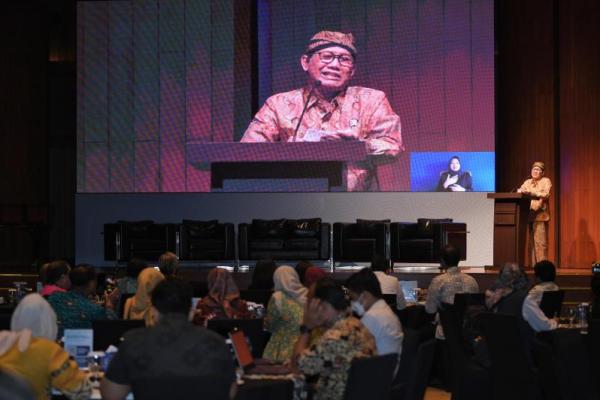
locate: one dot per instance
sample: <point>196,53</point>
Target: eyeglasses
<point>344,59</point>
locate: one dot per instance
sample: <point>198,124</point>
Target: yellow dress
<point>283,320</point>
<point>45,365</point>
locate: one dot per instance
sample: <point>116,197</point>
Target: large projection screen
<point>161,107</point>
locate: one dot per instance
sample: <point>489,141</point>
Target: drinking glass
<point>572,313</point>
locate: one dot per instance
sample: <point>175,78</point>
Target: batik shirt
<point>75,311</point>
<point>331,355</point>
<point>366,111</point>
<point>443,288</point>
<point>540,193</point>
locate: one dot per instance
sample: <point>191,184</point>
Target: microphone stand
<point>316,85</point>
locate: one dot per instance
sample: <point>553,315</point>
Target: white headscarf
<point>34,313</point>
<point>287,281</point>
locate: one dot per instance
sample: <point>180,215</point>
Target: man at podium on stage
<point>538,187</point>
<point>328,109</point>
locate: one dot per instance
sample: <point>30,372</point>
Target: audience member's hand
<point>457,188</point>
<point>111,299</point>
<point>450,180</point>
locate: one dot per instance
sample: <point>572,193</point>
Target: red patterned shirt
<point>363,111</point>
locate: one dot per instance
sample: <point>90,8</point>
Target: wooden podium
<point>280,160</point>
<point>511,213</point>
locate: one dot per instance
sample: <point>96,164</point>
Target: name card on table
<point>78,343</point>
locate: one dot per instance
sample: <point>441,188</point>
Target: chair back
<point>259,296</point>
<point>511,371</point>
<point>451,319</point>
<point>371,378</point>
<point>111,331</point>
<point>391,300</point>
<point>594,330</point>
<point>419,378</point>
<point>252,328</point>
<point>552,302</point>
<point>5,322</point>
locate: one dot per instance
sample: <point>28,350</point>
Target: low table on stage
<point>511,213</point>
<point>314,166</point>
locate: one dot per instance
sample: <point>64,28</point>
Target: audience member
<point>173,358</point>
<point>75,309</point>
<point>444,286</point>
<point>344,339</point>
<point>262,277</point>
<point>389,284</point>
<point>545,274</point>
<point>223,300</point>
<point>57,278</point>
<point>29,351</point>
<point>595,286</point>
<point>128,284</point>
<point>139,306</point>
<point>168,263</point>
<point>512,283</point>
<point>374,312</point>
<point>284,314</point>
<point>312,275</point>
<point>301,268</point>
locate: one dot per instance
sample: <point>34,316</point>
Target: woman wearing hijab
<point>454,179</point>
<point>312,275</point>
<point>139,306</point>
<point>29,350</point>
<point>223,300</point>
<point>284,314</point>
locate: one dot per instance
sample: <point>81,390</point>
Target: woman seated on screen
<point>29,350</point>
<point>455,180</point>
<point>223,300</point>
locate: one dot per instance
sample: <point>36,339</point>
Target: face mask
<point>357,308</point>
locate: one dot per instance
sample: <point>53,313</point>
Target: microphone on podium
<point>316,85</point>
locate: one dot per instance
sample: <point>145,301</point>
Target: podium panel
<point>511,212</point>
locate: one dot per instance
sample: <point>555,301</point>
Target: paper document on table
<point>78,343</point>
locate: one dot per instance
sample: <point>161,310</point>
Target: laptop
<point>246,361</point>
<point>408,288</point>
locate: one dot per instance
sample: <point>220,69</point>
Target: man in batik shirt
<point>538,187</point>
<point>335,111</point>
<point>344,338</point>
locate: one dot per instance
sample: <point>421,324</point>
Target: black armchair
<point>423,241</point>
<point>360,241</point>
<point>284,239</point>
<point>138,239</point>
<point>206,240</point>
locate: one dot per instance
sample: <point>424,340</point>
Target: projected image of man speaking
<point>328,109</point>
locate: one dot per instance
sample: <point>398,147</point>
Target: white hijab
<point>286,280</point>
<point>33,317</point>
<point>36,314</point>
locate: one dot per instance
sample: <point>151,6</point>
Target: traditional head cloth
<point>140,302</point>
<point>223,290</point>
<point>326,39</point>
<point>539,164</point>
<point>36,314</point>
<point>286,280</point>
<point>312,275</point>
